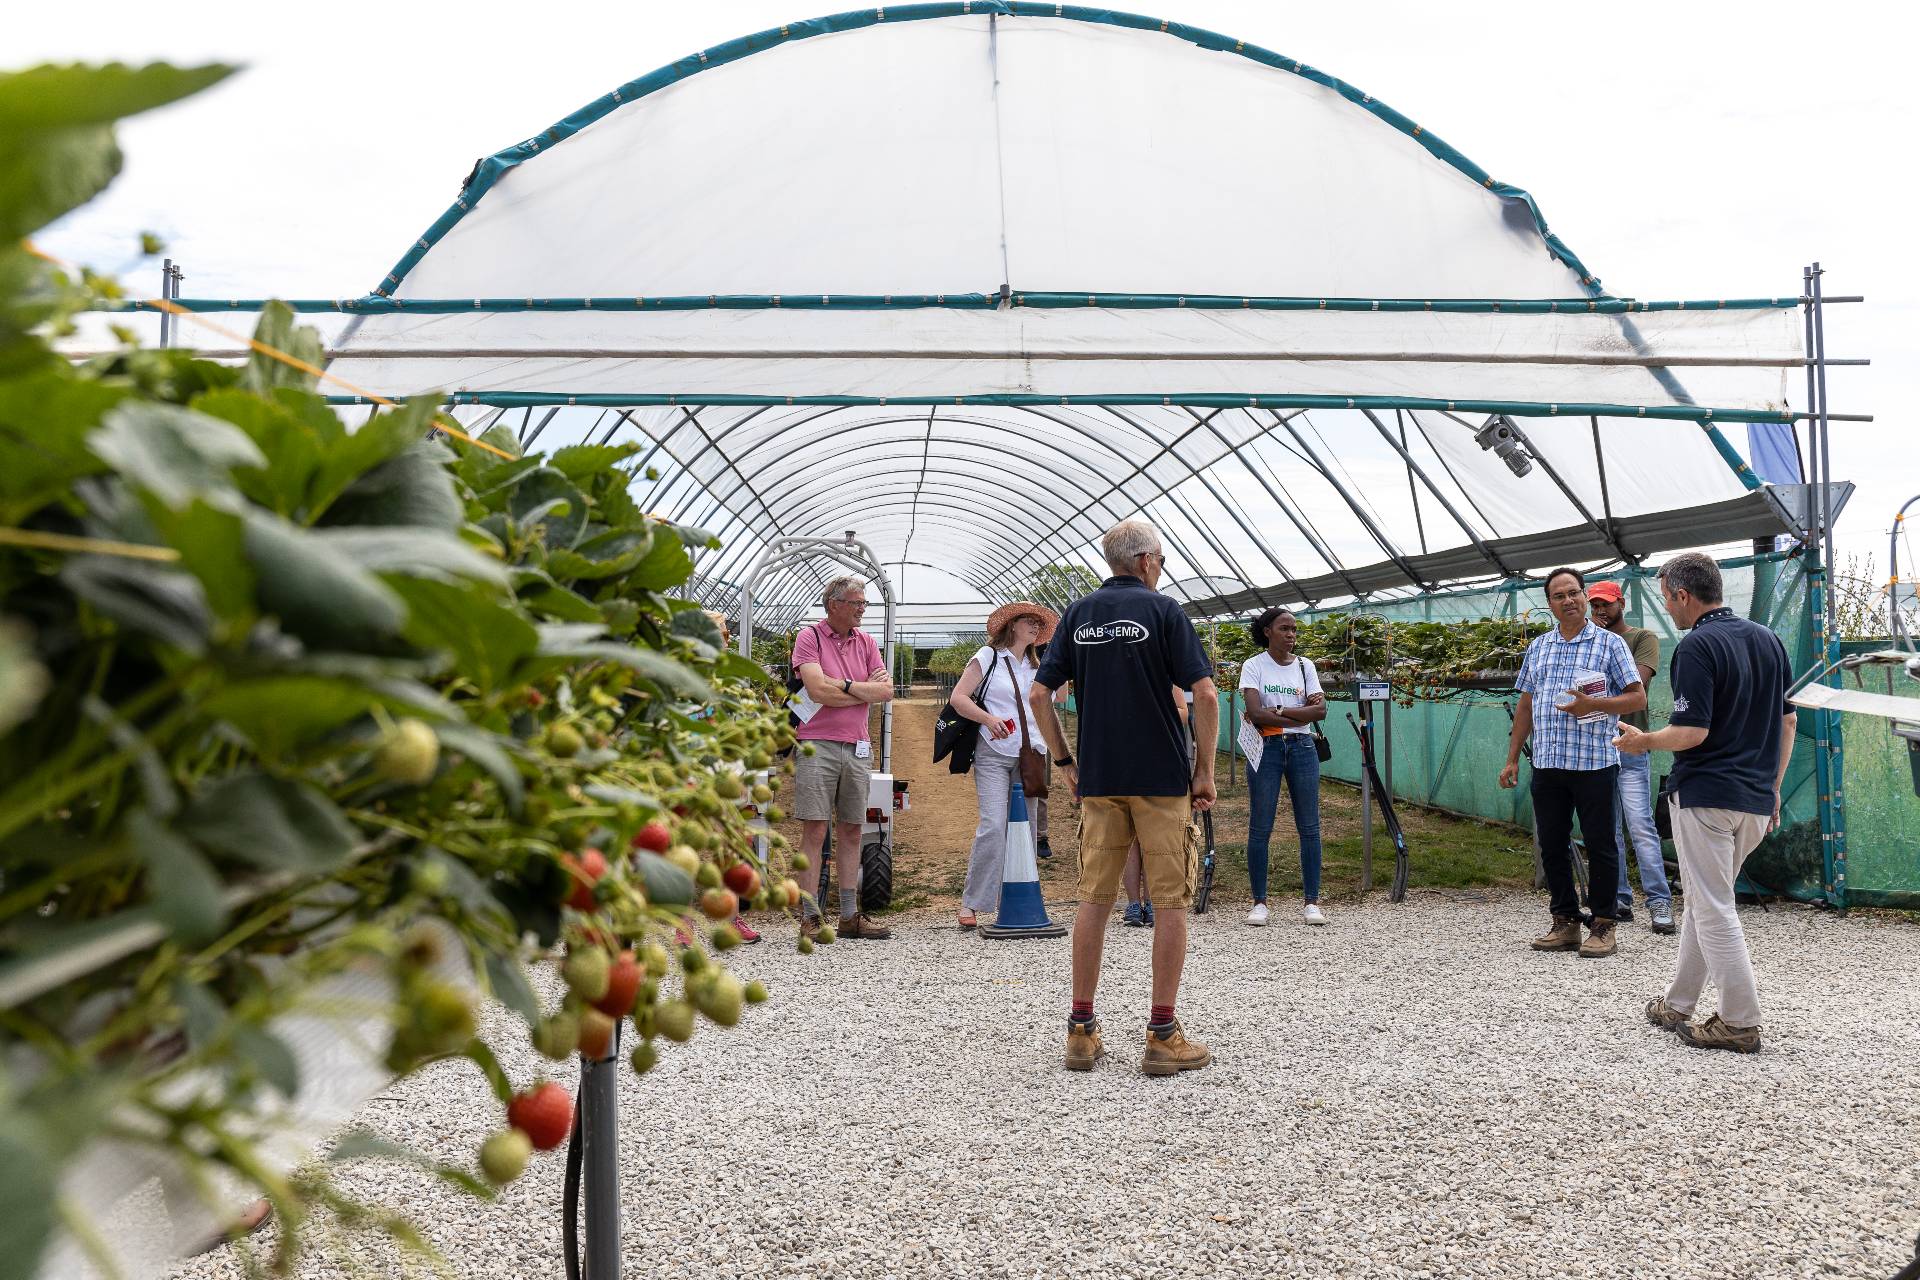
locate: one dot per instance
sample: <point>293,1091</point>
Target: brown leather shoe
<point>1716,1034</point>
<point>1084,1047</point>
<point>1564,936</point>
<point>1173,1053</point>
<point>1600,940</point>
<point>858,926</point>
<point>1665,1016</point>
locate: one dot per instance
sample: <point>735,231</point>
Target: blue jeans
<point>1288,756</point>
<point>1634,809</point>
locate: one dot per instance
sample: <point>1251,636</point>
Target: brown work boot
<point>1600,940</point>
<point>1665,1016</point>
<point>1564,936</point>
<point>858,926</point>
<point>1170,1053</point>
<point>1083,1045</point>
<point>1717,1034</point>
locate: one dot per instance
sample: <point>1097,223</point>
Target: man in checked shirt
<point>1586,681</point>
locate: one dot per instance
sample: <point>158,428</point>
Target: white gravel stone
<point>1409,1092</point>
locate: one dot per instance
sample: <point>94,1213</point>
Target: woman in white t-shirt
<point>1003,674</point>
<point>1283,700</point>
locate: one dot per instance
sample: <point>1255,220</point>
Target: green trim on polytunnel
<point>1518,306</point>
<point>375,305</point>
<point>490,170</point>
<point>1205,400</point>
<point>1517,584</point>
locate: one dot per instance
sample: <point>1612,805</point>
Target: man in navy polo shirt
<point>1731,734</point>
<point>1123,646</point>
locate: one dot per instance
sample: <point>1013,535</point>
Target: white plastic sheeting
<point>1729,360</point>
<point>1008,163</point>
<point>897,158</point>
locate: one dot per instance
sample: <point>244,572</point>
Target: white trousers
<point>993,776</point>
<point>1713,843</point>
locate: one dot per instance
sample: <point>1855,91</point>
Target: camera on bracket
<point>1501,436</point>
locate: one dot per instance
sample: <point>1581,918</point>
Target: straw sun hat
<point>1008,612</point>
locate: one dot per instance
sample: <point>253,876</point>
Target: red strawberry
<point>623,984</point>
<point>654,836</point>
<point>586,871</point>
<point>596,1034</point>
<point>743,879</point>
<point>544,1113</point>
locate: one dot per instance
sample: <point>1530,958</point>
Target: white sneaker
<point>1258,916</point>
<point>1314,914</point>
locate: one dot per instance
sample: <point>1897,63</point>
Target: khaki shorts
<point>831,782</point>
<point>1169,847</point>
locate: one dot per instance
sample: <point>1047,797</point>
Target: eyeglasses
<point>851,604</point>
<point>1161,556</point>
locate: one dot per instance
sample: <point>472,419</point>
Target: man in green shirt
<point>1634,798</point>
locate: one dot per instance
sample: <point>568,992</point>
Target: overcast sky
<point>1683,151</point>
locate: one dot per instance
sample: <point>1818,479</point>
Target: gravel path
<point>1409,1092</point>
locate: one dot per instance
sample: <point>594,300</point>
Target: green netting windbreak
<point>1447,754</point>
<point>1883,814</point>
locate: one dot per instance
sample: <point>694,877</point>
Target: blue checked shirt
<point>1560,741</point>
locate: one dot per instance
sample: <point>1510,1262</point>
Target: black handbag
<point>1321,747</point>
<point>1663,801</point>
<point>956,738</point>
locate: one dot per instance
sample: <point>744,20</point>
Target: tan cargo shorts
<point>831,783</point>
<point>1169,847</point>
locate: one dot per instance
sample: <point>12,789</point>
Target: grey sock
<point>849,902</point>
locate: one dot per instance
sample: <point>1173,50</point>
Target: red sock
<point>1082,1010</point>
<point>1162,1014</point>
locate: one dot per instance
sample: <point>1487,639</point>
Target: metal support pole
<point>1835,838</point>
<point>600,1164</point>
<point>166,291</point>
<point>1366,800</point>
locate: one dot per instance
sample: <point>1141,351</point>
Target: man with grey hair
<point>1731,733</point>
<point>1123,646</point>
<point>841,669</point>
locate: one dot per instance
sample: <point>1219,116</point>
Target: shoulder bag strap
<point>1020,708</point>
<point>980,694</point>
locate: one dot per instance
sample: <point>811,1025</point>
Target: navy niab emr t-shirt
<point>1126,648</point>
<point>1730,677</point>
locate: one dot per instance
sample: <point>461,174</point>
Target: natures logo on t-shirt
<point>1122,629</point>
<point>1283,691</point>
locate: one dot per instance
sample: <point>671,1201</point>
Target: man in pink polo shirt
<point>841,668</point>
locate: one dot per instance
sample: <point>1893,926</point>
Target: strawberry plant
<point>291,709</point>
<point>1429,660</point>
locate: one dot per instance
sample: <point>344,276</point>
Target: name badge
<point>862,749</point>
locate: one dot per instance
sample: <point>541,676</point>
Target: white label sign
<point>1375,691</point>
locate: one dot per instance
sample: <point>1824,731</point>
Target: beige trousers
<point>1713,843</point>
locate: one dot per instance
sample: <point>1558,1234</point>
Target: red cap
<point>1604,591</point>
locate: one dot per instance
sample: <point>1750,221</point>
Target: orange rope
<point>440,420</point>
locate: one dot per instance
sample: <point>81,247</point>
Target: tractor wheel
<point>876,876</point>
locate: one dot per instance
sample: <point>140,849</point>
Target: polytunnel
<point>975,280</point>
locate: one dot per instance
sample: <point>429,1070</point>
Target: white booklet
<point>802,704</point>
<point>1252,745</point>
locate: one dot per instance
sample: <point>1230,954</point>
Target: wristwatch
<point>846,686</point>
<point>1064,761</point>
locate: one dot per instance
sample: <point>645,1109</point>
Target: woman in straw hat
<point>1002,674</point>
